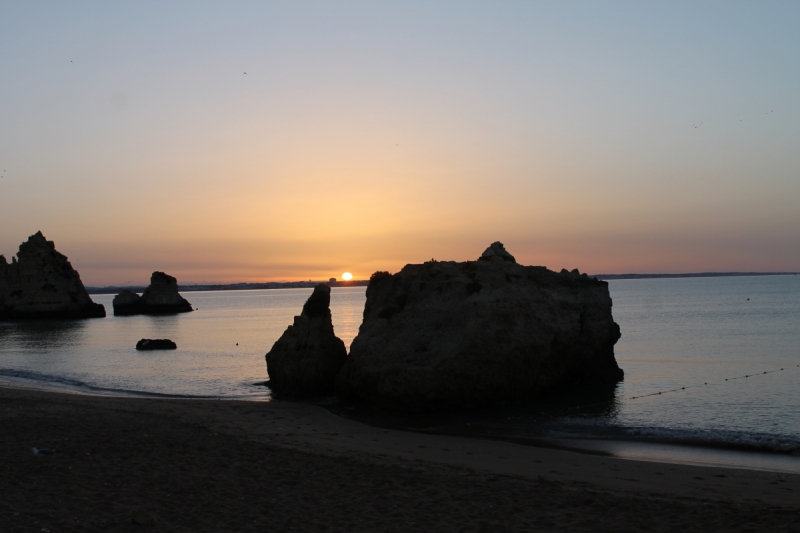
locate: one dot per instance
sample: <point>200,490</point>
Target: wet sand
<point>206,465</point>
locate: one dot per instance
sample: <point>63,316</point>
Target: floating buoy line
<point>746,376</point>
<point>560,412</point>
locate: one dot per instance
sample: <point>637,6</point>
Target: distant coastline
<point>116,289</point>
<point>690,275</point>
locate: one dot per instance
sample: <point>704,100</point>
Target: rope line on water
<point>706,383</point>
<point>565,410</point>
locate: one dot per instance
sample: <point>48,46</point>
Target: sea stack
<point>161,297</point>
<point>41,283</point>
<point>447,335</point>
<point>304,362</point>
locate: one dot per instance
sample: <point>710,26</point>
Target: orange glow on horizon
<point>367,142</point>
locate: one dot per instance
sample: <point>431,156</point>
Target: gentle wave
<point>79,386</point>
<point>719,439</point>
<point>710,438</point>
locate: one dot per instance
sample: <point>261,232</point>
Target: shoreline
<point>626,449</point>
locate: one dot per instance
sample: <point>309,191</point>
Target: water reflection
<point>164,326</point>
<point>529,419</point>
<point>41,335</point>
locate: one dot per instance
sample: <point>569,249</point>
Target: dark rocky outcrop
<point>496,252</point>
<point>447,335</point>
<point>161,297</point>
<point>41,283</point>
<point>156,344</point>
<point>306,359</point>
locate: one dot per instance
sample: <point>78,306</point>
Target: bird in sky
<point>245,72</point>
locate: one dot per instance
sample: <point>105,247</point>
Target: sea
<point>712,368</point>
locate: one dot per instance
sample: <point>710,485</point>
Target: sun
<point>347,276</point>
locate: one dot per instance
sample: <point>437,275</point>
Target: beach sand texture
<point>205,465</point>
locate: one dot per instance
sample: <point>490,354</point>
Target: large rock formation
<point>161,297</point>
<point>447,335</point>
<point>41,283</point>
<point>306,359</point>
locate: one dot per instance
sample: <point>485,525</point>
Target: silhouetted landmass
<point>691,275</point>
<point>446,336</point>
<point>234,286</point>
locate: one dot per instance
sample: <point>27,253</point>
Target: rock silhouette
<point>161,297</point>
<point>447,335</point>
<point>156,344</point>
<point>41,283</point>
<point>306,359</point>
<point>496,252</point>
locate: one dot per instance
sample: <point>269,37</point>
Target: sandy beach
<point>131,464</point>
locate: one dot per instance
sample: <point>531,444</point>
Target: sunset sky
<point>606,136</point>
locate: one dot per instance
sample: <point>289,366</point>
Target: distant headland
<point>310,284</point>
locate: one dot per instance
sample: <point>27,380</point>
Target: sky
<point>264,141</point>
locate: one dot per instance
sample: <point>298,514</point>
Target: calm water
<point>100,353</point>
<point>696,333</point>
<point>676,334</point>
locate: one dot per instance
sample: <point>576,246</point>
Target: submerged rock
<point>156,344</point>
<point>308,356</point>
<point>41,283</point>
<point>161,297</point>
<point>447,335</point>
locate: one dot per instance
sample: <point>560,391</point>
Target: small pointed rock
<point>497,252</point>
<point>304,362</point>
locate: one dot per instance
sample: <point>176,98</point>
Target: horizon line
<point>199,286</point>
